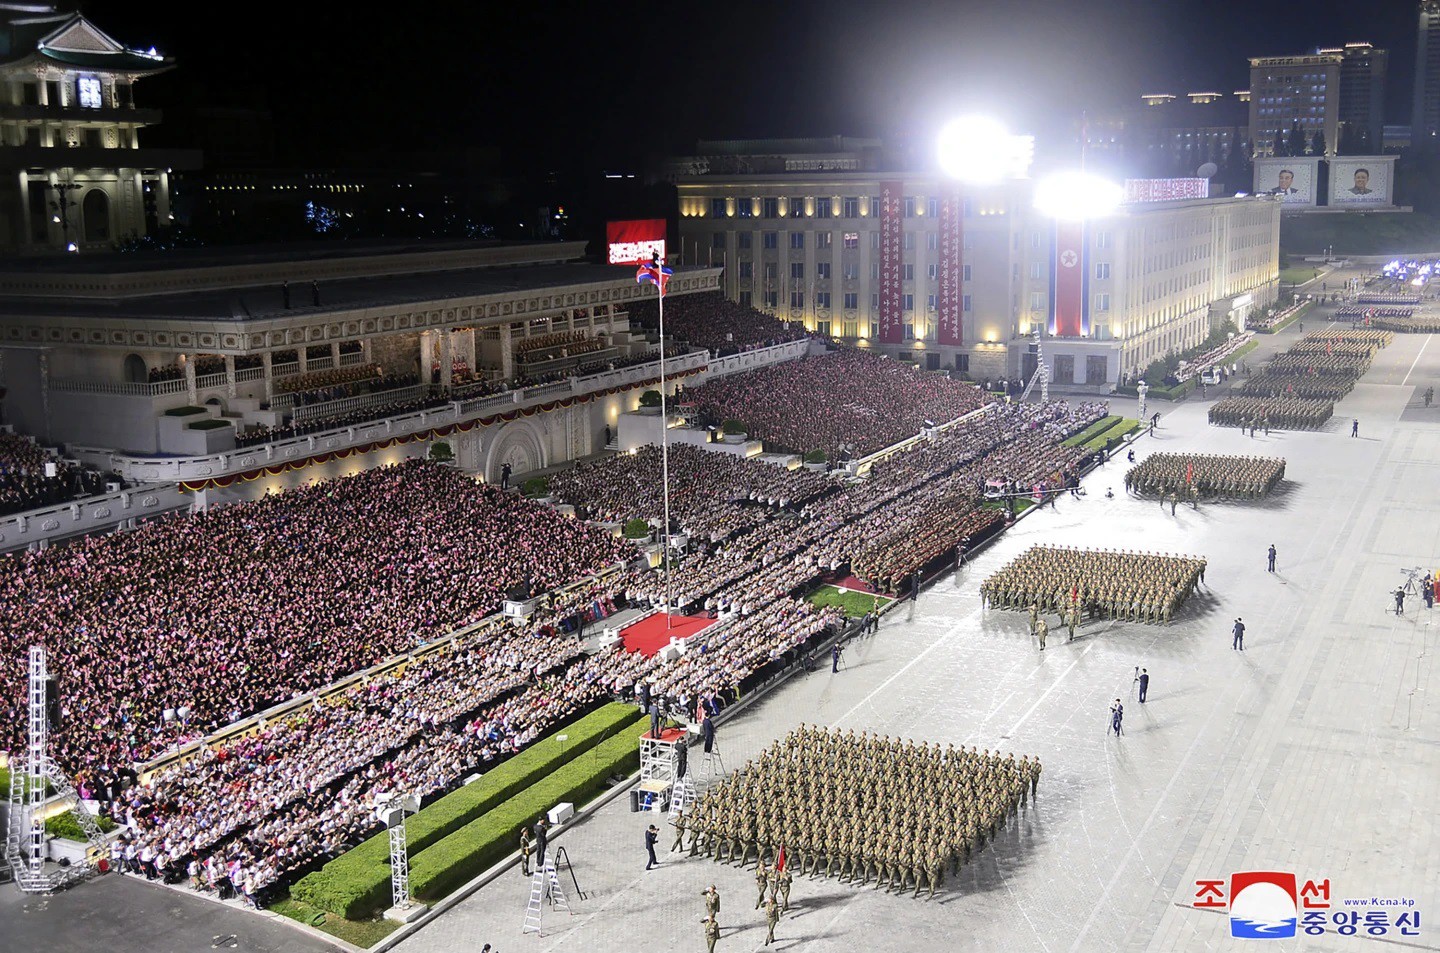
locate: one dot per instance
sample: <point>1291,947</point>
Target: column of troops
<point>1291,413</point>
<point>1209,476</point>
<point>1408,324</point>
<point>859,806</point>
<point>1297,390</point>
<point>1138,587</point>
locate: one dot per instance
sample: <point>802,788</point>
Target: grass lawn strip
<point>445,867</point>
<point>357,883</point>
<point>855,604</point>
<point>363,933</point>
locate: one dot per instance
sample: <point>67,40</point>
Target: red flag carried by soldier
<point>1190,473</point>
<point>780,859</point>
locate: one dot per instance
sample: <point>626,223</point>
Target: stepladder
<point>544,886</point>
<point>683,796</point>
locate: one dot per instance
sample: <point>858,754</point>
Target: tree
<point>1317,143</point>
<point>1279,145</point>
<point>1295,144</point>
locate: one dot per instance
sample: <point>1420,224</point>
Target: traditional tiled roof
<point>68,39</point>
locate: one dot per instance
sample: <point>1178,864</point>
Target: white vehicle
<point>1212,375</point>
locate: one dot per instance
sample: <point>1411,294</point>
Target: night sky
<point>590,84</point>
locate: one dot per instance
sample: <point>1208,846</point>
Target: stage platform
<point>651,634</point>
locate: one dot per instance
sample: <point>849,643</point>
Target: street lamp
<point>61,206</point>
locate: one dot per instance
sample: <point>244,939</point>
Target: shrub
<point>733,426</point>
<point>441,452</point>
<point>816,456</point>
<point>651,398</point>
<point>637,529</point>
<point>535,486</point>
<point>463,855</point>
<point>184,411</point>
<point>357,883</point>
<point>65,825</point>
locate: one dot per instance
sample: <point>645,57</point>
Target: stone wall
<point>397,353</point>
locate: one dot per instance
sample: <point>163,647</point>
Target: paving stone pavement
<point>1313,751</point>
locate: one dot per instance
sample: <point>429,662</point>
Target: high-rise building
<point>1425,120</point>
<point>1362,97</point>
<point>1291,91</point>
<point>70,150</point>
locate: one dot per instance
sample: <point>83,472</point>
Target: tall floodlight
<point>977,150</point>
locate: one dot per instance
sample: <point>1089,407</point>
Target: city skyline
<point>556,76</point>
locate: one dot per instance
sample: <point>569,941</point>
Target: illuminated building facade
<point>74,173</point>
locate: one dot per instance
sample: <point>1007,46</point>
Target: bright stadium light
<point>1076,196</point>
<point>976,150</point>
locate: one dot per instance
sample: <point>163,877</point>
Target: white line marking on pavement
<point>1047,691</point>
<point>908,665</point>
<point>1416,361</point>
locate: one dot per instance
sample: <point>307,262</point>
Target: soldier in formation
<point>860,807</point>
<point>1137,587</point>
<point>1291,413</point>
<point>1211,476</point>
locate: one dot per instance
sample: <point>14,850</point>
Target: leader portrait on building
<point>1367,181</point>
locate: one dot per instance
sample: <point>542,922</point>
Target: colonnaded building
<point>951,277</point>
<point>224,374</point>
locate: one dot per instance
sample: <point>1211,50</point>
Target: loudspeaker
<point>52,701</point>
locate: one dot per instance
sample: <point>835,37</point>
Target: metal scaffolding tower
<point>392,814</point>
<point>25,835</point>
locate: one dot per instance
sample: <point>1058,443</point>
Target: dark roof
<point>124,61</point>
<point>249,303</point>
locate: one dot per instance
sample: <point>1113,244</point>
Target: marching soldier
<point>712,933</point>
<point>772,917</point>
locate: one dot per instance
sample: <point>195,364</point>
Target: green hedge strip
<point>357,883</point>
<point>477,846</point>
<point>1092,431</point>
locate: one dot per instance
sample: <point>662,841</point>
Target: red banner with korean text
<point>948,317</point>
<point>892,313</point>
<point>1068,283</point>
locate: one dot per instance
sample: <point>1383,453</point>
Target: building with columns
<point>78,177</point>
<point>155,371</point>
<point>970,273</point>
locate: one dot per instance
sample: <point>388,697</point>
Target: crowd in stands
<point>319,381</point>
<point>710,320</point>
<point>1269,321</point>
<point>222,614</point>
<point>847,397</point>
<point>24,485</point>
<point>557,344</point>
<point>375,384</point>
<point>228,611</point>
<point>710,493</point>
<point>1215,355</point>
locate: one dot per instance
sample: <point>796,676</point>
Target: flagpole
<point>664,444</point>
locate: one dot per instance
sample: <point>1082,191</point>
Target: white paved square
<point>1314,751</point>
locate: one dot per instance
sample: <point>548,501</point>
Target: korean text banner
<point>633,242</point>
<point>892,316</point>
<point>951,246</point>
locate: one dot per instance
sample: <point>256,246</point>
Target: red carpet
<point>650,634</point>
<point>856,584</point>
